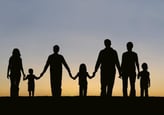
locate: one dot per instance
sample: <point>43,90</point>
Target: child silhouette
<point>82,74</point>
<point>144,77</point>
<point>31,82</point>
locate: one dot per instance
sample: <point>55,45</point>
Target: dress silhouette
<point>108,62</point>
<point>82,75</point>
<point>128,67</point>
<point>31,82</point>
<point>15,68</point>
<point>144,77</point>
<point>55,62</point>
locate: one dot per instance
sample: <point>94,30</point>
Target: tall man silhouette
<point>128,67</point>
<point>55,61</point>
<point>108,60</point>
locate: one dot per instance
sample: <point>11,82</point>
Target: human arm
<point>137,63</point>
<point>90,76</point>
<point>25,78</point>
<point>67,67</point>
<point>149,79</point>
<point>22,70</point>
<point>9,69</point>
<point>36,77</point>
<point>118,64</point>
<point>98,63</point>
<point>8,72</point>
<point>139,75</point>
<point>45,67</point>
<point>75,76</point>
<point>122,65</point>
<point>149,83</point>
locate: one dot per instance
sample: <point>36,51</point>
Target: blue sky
<point>79,28</point>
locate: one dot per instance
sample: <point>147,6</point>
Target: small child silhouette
<point>144,77</point>
<point>31,83</point>
<point>82,74</point>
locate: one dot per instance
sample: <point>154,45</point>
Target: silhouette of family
<point>107,61</point>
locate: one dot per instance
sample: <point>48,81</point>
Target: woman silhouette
<point>14,70</point>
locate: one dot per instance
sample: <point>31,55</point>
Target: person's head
<point>16,52</point>
<point>107,43</point>
<point>129,46</point>
<point>56,48</point>
<point>30,70</point>
<point>144,66</point>
<point>83,68</point>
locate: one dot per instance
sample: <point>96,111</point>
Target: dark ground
<point>82,105</point>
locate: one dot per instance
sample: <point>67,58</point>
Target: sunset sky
<point>79,27</point>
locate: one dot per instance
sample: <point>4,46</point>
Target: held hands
<point>73,78</point>
<point>41,75</point>
<point>38,78</point>
<point>24,76</point>
<point>120,75</point>
<point>70,74</point>
<point>93,75</point>
<point>138,76</point>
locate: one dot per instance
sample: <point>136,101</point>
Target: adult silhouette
<point>128,67</point>
<point>108,60</point>
<point>55,61</point>
<point>15,67</point>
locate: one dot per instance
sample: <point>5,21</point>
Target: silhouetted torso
<point>144,79</point>
<point>15,65</point>
<point>82,78</point>
<point>108,59</point>
<point>129,62</point>
<point>55,61</point>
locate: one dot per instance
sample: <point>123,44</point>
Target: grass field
<point>82,105</point>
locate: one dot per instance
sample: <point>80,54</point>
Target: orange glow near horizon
<point>70,87</point>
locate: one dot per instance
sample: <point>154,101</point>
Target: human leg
<point>125,85</point>
<point>110,85</point>
<point>132,85</point>
<point>146,92</point>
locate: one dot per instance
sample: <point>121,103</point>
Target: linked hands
<point>93,75</point>
<point>41,75</point>
<point>120,76</point>
<point>70,74</point>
